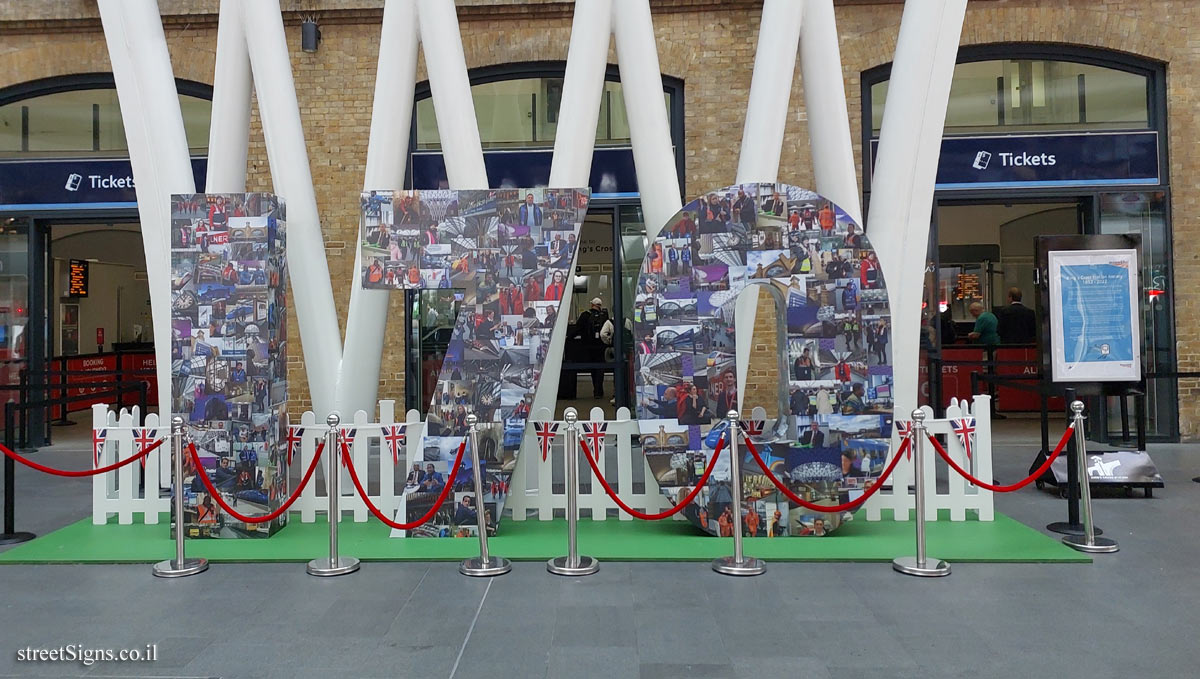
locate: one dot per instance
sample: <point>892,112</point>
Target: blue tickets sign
<point>1051,160</point>
<point>73,183</point>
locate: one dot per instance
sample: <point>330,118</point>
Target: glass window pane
<point>84,122</point>
<point>1038,96</point>
<point>523,112</point>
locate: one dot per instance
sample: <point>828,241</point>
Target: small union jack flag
<point>396,437</point>
<point>964,429</point>
<point>294,439</point>
<point>98,445</point>
<point>144,438</point>
<point>752,427</point>
<point>904,429</point>
<point>595,433</point>
<point>347,435</point>
<point>546,431</point>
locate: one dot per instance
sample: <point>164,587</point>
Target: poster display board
<point>1094,330</point>
<point>229,355</point>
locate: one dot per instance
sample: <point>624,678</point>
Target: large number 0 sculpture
<point>830,435</point>
<point>505,257</point>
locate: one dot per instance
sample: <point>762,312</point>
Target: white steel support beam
<point>762,139</point>
<point>287,154</point>
<point>571,167</point>
<point>158,152</point>
<point>649,129</point>
<point>229,128</point>
<point>387,149</point>
<point>441,43</point>
<point>825,103</point>
<point>906,168</point>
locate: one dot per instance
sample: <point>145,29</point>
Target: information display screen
<point>77,278</point>
<point>1094,315</point>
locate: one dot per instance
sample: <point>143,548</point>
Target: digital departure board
<point>77,278</point>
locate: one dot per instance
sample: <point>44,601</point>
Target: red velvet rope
<point>83,472</point>
<point>844,507</point>
<point>216,494</point>
<point>362,492</point>
<point>1011,487</point>
<point>664,514</point>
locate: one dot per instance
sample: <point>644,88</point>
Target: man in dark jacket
<point>1018,323</point>
<point>587,329</point>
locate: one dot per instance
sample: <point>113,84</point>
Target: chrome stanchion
<point>572,563</point>
<point>1088,542</point>
<point>179,566</point>
<point>920,565</point>
<point>484,565</point>
<point>333,564</point>
<point>738,564</point>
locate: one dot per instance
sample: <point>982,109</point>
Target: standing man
<point>530,213</point>
<point>985,326</point>
<point>588,328</point>
<point>1017,322</point>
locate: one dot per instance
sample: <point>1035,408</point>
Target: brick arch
<point>1146,38</point>
<point>89,54</point>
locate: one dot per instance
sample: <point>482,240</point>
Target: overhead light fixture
<point>310,35</point>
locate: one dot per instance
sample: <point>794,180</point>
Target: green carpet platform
<point>1003,540</point>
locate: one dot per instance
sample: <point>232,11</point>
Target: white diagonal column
<point>441,43</point>
<point>387,149</point>
<point>762,139</point>
<point>649,129</point>
<point>906,169</point>
<point>158,152</point>
<point>287,153</point>
<point>825,103</point>
<point>571,167</point>
<point>229,125</point>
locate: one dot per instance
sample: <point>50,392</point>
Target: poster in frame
<point>1095,333</point>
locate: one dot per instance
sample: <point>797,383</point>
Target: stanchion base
<point>14,538</point>
<point>727,565</point>
<point>173,569</point>
<point>933,568</point>
<point>1196,479</point>
<point>476,567</point>
<point>1098,546</point>
<point>1068,528</point>
<point>561,566</point>
<point>63,423</point>
<point>327,568</point>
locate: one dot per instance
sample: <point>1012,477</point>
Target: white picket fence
<point>117,492</point>
<point>959,496</point>
<point>537,489</point>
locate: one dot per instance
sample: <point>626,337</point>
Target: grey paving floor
<point>1131,614</point>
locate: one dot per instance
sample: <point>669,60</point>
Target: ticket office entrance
<point>983,248</point>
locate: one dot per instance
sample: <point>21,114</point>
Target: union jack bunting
<point>294,439</point>
<point>904,429</point>
<point>396,437</point>
<point>98,445</point>
<point>347,435</point>
<point>752,427</point>
<point>594,433</point>
<point>546,431</point>
<point>964,429</point>
<point>144,438</point>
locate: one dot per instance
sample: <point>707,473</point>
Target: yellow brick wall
<point>708,45</point>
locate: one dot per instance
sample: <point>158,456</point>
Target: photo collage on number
<point>839,380</point>
<point>229,354</point>
<point>509,252</point>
